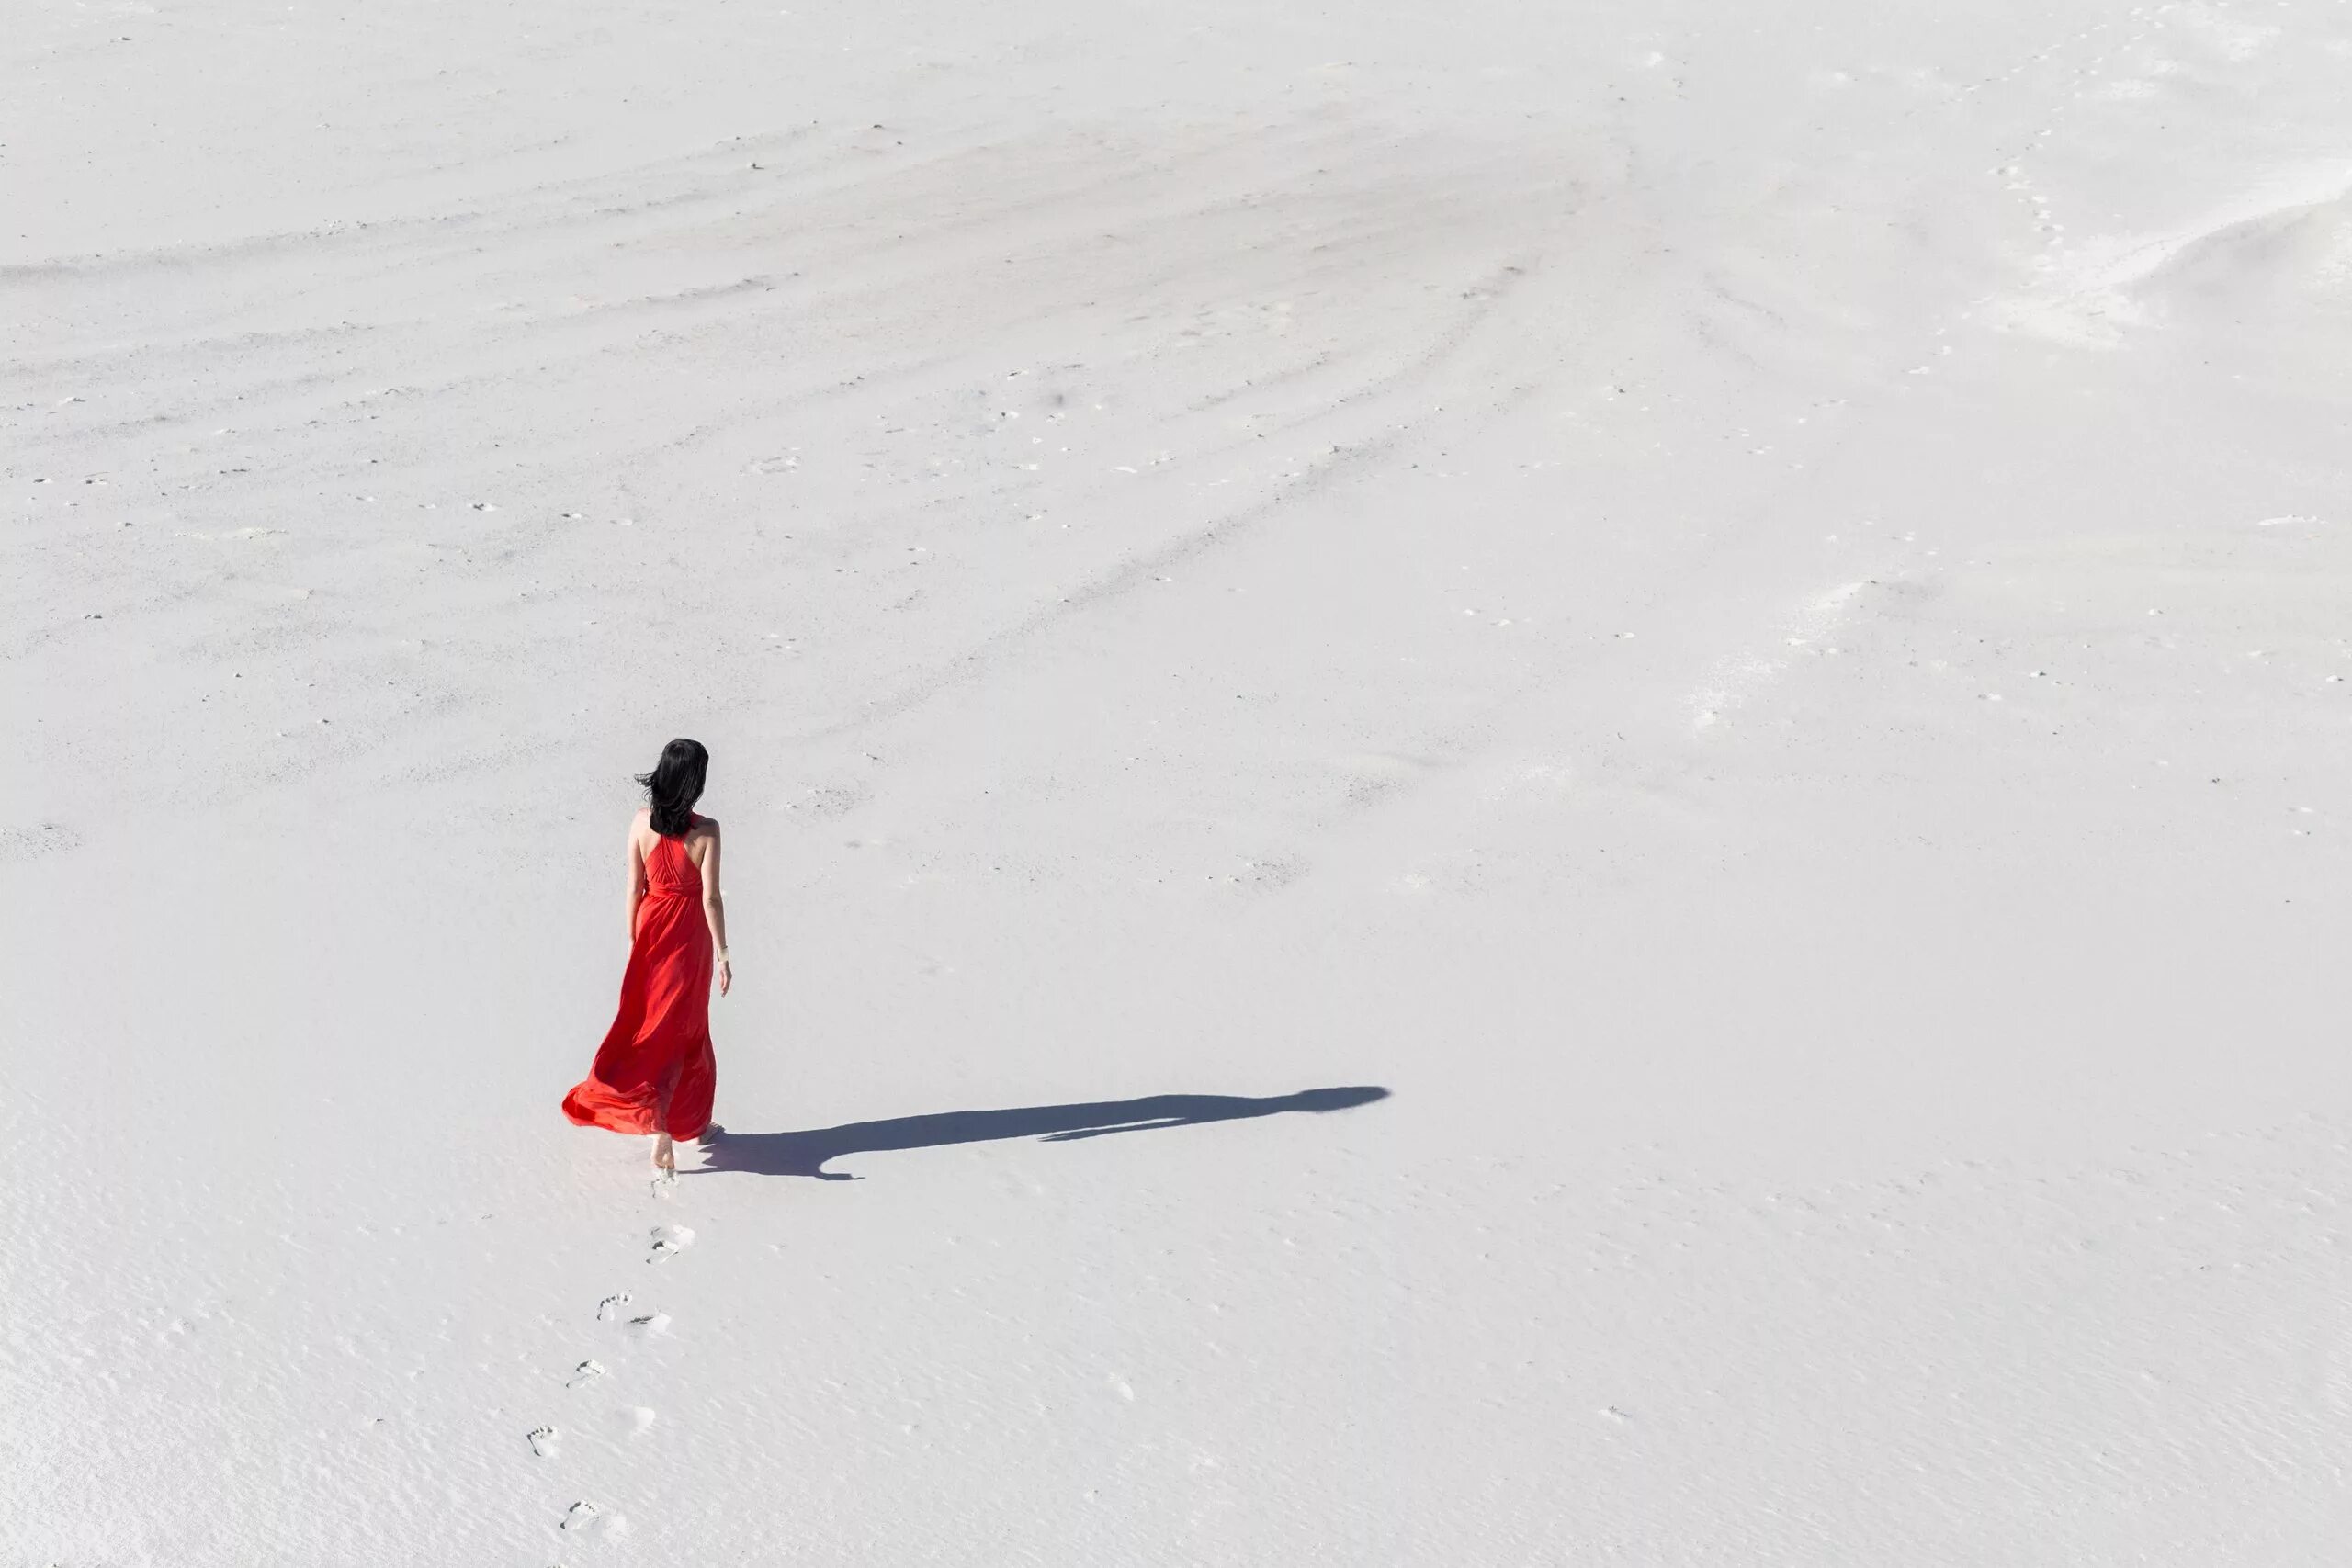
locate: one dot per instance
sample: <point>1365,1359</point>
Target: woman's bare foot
<point>666,1155</point>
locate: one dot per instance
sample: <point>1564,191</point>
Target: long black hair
<point>674,784</point>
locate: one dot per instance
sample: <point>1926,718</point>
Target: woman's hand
<point>726,974</point>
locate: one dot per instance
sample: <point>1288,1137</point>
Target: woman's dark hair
<point>674,784</point>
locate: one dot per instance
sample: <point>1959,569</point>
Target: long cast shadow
<point>806,1153</point>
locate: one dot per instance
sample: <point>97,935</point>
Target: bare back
<point>697,840</point>
<point>701,844</point>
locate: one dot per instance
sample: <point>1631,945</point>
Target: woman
<point>654,1071</point>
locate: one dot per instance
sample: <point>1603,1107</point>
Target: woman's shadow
<point>806,1153</point>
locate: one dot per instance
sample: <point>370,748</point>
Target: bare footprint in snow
<point>652,1322</point>
<point>587,1371</point>
<point>610,1307</point>
<point>584,1517</point>
<point>542,1440</point>
<point>668,1240</point>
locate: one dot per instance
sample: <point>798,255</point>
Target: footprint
<point>587,1371</point>
<point>585,1516</point>
<point>542,1440</point>
<point>668,1240</point>
<point>652,1322</point>
<point>610,1307</point>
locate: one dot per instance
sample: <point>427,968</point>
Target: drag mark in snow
<point>1337,463</point>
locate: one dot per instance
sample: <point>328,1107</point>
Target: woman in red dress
<point>654,1071</point>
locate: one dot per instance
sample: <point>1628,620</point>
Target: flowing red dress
<point>654,1071</point>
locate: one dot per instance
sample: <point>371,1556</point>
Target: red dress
<point>655,1072</point>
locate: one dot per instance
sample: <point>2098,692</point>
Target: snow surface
<point>1741,606</point>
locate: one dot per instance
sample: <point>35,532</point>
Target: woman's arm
<point>714,909</point>
<point>636,880</point>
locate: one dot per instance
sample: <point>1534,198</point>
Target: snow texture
<point>1504,785</point>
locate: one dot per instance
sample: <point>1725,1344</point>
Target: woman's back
<point>691,847</point>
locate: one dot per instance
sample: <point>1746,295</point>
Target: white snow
<point>1250,554</point>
